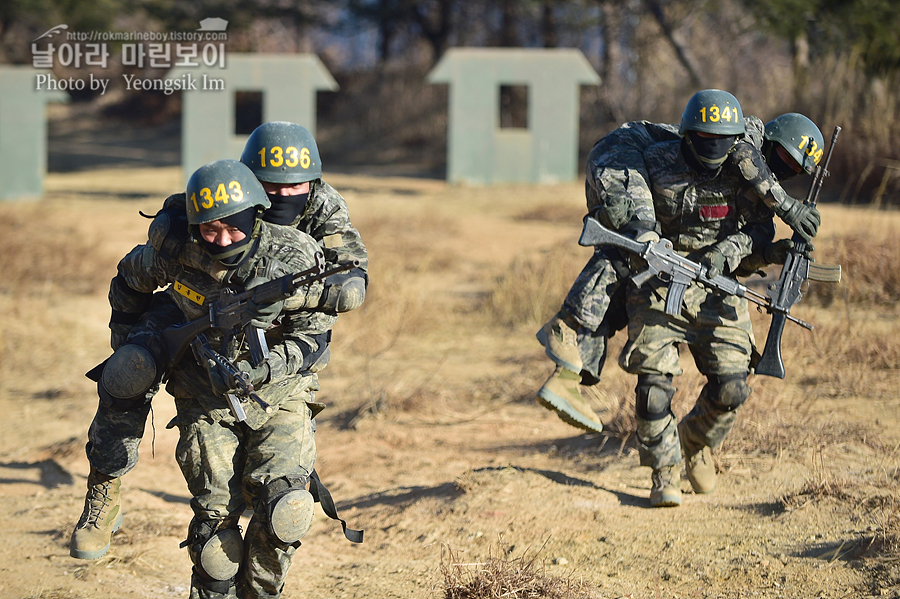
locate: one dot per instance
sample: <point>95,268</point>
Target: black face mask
<point>710,152</point>
<point>779,167</point>
<point>245,222</point>
<point>285,209</point>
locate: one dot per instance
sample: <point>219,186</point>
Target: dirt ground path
<point>433,445</point>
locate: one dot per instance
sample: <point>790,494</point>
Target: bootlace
<point>664,477</point>
<point>565,333</point>
<point>96,503</point>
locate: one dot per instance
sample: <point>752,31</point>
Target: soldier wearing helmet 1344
<point>264,462</point>
<point>317,209</point>
<point>792,145</point>
<point>715,216</point>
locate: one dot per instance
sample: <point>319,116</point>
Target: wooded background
<point>837,61</point>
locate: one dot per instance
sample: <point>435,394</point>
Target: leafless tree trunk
<point>681,51</point>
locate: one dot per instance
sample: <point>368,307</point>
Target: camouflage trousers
<point>114,436</point>
<point>716,329</point>
<point>596,302</point>
<point>227,467</point>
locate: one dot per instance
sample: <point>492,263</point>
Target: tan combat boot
<point>666,490</point>
<point>701,470</point>
<point>562,394</point>
<point>560,340</point>
<point>102,517</point>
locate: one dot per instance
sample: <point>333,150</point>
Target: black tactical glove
<point>715,263</point>
<point>803,219</point>
<point>776,252</point>
<point>262,316</point>
<point>220,383</point>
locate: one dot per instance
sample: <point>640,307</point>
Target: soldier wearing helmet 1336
<point>575,339</point>
<point>285,158</point>
<point>265,461</point>
<point>712,215</point>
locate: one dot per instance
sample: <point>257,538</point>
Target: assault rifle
<point>230,313</point>
<point>792,282</point>
<point>668,265</point>
<point>237,378</point>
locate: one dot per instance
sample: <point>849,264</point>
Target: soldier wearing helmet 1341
<point>713,215</point>
<point>285,158</point>
<point>616,189</point>
<point>264,462</point>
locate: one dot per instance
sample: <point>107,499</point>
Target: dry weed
<point>513,578</point>
<point>868,269</point>
<point>553,213</point>
<point>53,594</point>
<point>532,288</point>
<point>885,543</point>
<point>849,355</point>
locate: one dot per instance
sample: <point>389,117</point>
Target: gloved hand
<point>220,383</point>
<point>635,262</point>
<point>803,219</point>
<point>776,252</point>
<point>715,263</point>
<point>262,316</point>
<point>645,236</point>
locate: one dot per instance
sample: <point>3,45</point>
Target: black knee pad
<point>216,548</point>
<point>653,396</point>
<point>199,581</point>
<point>128,377</point>
<point>727,392</point>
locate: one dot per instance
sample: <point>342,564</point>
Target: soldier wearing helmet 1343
<point>617,194</point>
<point>265,461</point>
<point>285,158</point>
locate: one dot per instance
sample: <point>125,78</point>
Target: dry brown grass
<point>531,289</point>
<point>40,252</point>
<point>868,268</point>
<point>504,577</point>
<point>822,482</point>
<point>885,542</point>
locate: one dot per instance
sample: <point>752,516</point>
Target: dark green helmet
<point>800,137</point>
<point>282,152</point>
<point>713,111</point>
<point>220,189</point>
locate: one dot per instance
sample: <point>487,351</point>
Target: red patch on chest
<point>720,211</point>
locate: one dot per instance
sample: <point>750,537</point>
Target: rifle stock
<point>771,362</point>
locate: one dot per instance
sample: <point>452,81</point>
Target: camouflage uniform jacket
<point>616,187</point>
<point>327,220</point>
<point>698,211</point>
<point>280,250</point>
